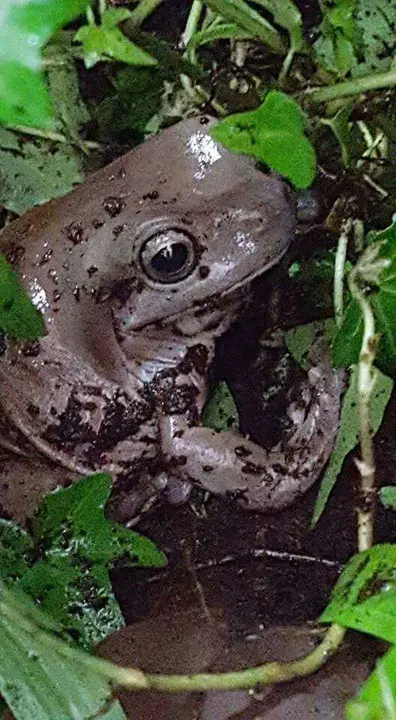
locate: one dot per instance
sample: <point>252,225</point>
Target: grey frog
<point>136,272</point>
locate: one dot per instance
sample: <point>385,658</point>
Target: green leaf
<point>107,41</point>
<point>42,677</point>
<point>364,597</point>
<point>8,140</point>
<point>19,319</point>
<point>347,342</point>
<point>274,134</point>
<point>25,27</point>
<point>15,546</point>
<point>377,698</point>
<point>287,15</point>
<point>299,339</point>
<point>220,31</point>
<point>376,21</point>
<point>348,433</point>
<point>76,547</point>
<point>137,100</point>
<point>341,128</point>
<point>37,174</point>
<point>249,20</point>
<point>388,496</point>
<point>220,412</point>
<point>70,111</point>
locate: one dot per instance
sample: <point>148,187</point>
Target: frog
<point>136,273</point>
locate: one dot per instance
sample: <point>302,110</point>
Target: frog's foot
<point>264,480</point>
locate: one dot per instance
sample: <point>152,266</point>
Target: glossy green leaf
<point>42,677</point>
<point>274,134</point>
<point>77,546</point>
<point>107,41</point>
<point>364,597</point>
<point>348,432</point>
<point>377,698</point>
<point>19,319</point>
<point>220,412</point>
<point>25,27</point>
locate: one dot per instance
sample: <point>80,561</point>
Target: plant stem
<point>338,281</point>
<point>142,11</point>
<point>192,22</point>
<point>51,135</point>
<point>352,87</point>
<point>366,382</point>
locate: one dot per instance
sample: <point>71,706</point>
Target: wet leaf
<point>101,42</point>
<point>77,546</point>
<point>364,597</point>
<point>25,27</point>
<point>42,677</point>
<point>274,134</point>
<point>348,432</point>
<point>19,319</point>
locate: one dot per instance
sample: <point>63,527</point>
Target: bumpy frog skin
<point>136,272</point>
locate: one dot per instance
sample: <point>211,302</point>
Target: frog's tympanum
<point>136,272</point>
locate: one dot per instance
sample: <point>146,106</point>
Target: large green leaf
<point>76,547</point>
<point>364,597</point>
<point>25,27</point>
<point>274,134</point>
<point>43,678</point>
<point>19,319</point>
<point>66,564</point>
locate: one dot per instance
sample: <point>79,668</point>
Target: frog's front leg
<point>263,480</point>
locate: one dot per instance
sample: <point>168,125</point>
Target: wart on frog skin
<point>133,325</point>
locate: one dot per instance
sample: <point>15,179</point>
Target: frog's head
<point>211,224</point>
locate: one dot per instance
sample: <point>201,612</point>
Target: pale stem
<point>366,382</point>
<point>338,281</point>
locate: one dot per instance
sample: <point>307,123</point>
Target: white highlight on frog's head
<point>206,152</point>
<point>38,296</point>
<point>243,240</point>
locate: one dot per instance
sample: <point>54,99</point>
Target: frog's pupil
<point>170,259</point>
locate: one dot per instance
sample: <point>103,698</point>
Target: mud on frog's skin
<point>137,272</point>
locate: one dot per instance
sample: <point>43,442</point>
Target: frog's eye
<point>168,256</point>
